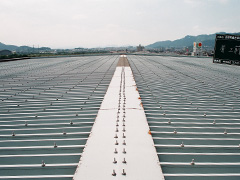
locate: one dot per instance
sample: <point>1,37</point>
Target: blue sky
<point>99,23</point>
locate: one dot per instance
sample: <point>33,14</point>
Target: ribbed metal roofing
<point>193,110</point>
<point>48,107</point>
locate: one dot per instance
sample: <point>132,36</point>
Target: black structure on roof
<point>227,49</point>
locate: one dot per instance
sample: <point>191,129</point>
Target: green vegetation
<point>13,56</point>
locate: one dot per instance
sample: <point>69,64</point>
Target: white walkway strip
<point>128,153</point>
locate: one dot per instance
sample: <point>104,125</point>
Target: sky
<point>101,23</point>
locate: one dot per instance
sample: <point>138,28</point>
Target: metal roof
<point>193,110</point>
<point>48,107</point>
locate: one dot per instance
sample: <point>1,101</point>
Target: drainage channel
<point>120,145</point>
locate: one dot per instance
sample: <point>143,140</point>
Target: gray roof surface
<point>198,100</point>
<point>192,107</point>
<point>39,100</point>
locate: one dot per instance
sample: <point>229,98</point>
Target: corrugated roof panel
<point>47,111</point>
<point>193,110</point>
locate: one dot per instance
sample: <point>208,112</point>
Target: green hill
<point>8,47</point>
<point>187,41</point>
<point>21,49</point>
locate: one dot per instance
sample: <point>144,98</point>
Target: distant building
<point>5,52</point>
<point>140,48</point>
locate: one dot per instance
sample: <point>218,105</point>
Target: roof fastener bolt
<point>26,124</point>
<point>169,121</point>
<point>123,172</point>
<point>124,151</point>
<point>114,161</point>
<point>116,129</point>
<point>64,133</point>
<point>55,145</point>
<point>182,145</point>
<point>71,123</point>
<point>225,132</point>
<point>175,132</point>
<point>124,142</point>
<point>214,122</point>
<point>115,151</point>
<point>13,134</point>
<point>124,135</point>
<point>124,161</point>
<point>43,164</point>
<point>116,143</point>
<point>115,136</point>
<point>192,163</point>
<point>114,173</point>
<point>124,130</point>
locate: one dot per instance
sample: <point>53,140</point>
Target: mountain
<point>8,47</point>
<point>187,41</point>
<point>22,49</point>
